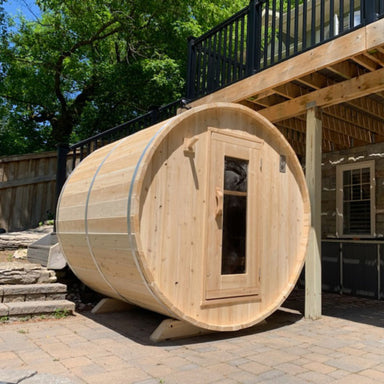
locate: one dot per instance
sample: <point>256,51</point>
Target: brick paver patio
<point>345,346</point>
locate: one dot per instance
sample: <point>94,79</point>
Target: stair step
<point>24,289</point>
<point>32,292</point>
<point>35,307</point>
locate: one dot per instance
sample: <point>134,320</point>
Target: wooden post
<point>61,171</point>
<point>313,177</point>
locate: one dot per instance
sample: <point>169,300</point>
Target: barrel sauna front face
<point>204,217</point>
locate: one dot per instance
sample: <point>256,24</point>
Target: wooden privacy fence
<point>27,190</point>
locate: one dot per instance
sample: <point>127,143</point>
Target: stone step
<point>36,308</point>
<point>32,292</point>
<point>25,273</point>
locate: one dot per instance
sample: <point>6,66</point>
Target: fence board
<point>27,190</point>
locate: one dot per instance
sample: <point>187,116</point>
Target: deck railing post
<point>254,36</point>
<point>191,65</point>
<point>61,170</point>
<point>369,11</point>
<point>257,31</point>
<point>155,114</point>
<point>251,37</point>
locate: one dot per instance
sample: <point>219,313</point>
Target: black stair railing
<point>69,156</point>
<point>266,33</point>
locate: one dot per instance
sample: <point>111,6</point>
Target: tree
<point>85,66</point>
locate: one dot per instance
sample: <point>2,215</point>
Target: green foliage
<point>46,222</point>
<point>61,313</point>
<point>85,66</point>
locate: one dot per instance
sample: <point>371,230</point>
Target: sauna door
<point>232,259</point>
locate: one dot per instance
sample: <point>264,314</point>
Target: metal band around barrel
<point>130,235</point>
<point>86,220</point>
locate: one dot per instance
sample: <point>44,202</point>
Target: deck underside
<point>344,77</point>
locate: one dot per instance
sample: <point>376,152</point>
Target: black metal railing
<point>69,156</point>
<point>380,8</point>
<point>266,33</point>
<point>263,34</point>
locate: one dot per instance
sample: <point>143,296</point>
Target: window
<point>233,256</point>
<point>356,199</point>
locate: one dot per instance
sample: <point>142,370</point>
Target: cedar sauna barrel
<point>204,218</point>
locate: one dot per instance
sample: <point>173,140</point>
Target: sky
<point>26,7</point>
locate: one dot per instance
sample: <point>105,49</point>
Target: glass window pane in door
<point>234,217</point>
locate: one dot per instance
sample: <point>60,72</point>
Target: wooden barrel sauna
<point>204,218</point>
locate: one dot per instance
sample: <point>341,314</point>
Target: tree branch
<point>43,116</point>
<point>81,100</point>
<point>17,100</point>
<point>59,64</point>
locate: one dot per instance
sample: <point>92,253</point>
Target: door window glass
<point>233,260</point>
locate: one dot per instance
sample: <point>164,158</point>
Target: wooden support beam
<point>345,69</point>
<point>315,80</point>
<point>271,100</point>
<point>349,45</point>
<point>313,177</point>
<point>365,104</point>
<point>108,305</point>
<point>334,94</point>
<point>291,90</point>
<point>366,62</point>
<point>171,329</point>
<point>376,56</point>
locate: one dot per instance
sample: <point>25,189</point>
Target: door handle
<point>219,201</point>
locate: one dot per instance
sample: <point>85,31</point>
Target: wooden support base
<point>108,305</point>
<point>171,329</point>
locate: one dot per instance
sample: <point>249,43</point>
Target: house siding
<point>329,163</point>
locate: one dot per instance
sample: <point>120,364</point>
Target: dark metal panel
<point>330,265</point>
<point>381,269</point>
<point>360,269</point>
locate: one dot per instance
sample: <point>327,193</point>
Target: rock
<point>25,273</point>
<point>22,239</point>
<point>20,254</point>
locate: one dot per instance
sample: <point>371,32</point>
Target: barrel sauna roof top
<point>344,77</point>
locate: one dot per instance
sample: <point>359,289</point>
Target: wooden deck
<point>344,77</point>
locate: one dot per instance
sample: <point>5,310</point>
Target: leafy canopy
<point>84,66</point>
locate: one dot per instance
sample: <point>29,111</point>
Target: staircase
<point>29,290</point>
